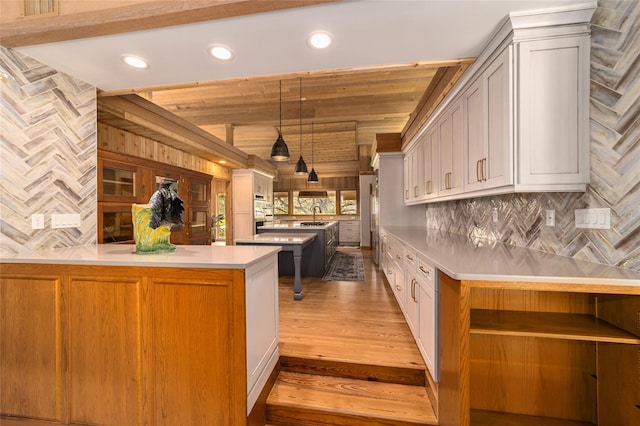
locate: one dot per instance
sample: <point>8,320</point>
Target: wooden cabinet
<point>125,180</point>
<point>116,345</point>
<point>538,353</point>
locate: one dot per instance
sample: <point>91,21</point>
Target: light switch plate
<point>68,220</point>
<point>593,218</point>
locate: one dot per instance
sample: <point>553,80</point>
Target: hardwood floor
<point>347,356</point>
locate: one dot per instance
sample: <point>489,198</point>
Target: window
<point>305,206</point>
<point>280,203</point>
<point>349,202</point>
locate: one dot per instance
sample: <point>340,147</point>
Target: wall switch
<point>37,221</point>
<point>550,217</point>
<point>593,218</point>
<point>494,215</point>
<point>69,220</point>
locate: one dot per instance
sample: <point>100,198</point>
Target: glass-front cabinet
<point>125,180</point>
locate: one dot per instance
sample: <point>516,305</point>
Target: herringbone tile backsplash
<point>615,164</point>
<point>48,154</point>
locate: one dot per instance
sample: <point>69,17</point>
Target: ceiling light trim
<point>134,61</point>
<point>320,40</point>
<point>221,52</point>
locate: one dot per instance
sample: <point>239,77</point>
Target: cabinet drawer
<point>426,271</point>
<point>410,258</point>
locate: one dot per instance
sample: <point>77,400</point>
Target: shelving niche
<point>553,358</point>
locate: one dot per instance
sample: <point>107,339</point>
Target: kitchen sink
<point>313,223</point>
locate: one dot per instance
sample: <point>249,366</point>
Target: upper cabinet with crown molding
<point>518,121</point>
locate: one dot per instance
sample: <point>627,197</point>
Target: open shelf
<point>548,324</point>
<point>493,418</point>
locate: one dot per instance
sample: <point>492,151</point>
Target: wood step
<point>354,370</point>
<point>307,399</point>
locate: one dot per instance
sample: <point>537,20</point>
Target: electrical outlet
<point>37,221</point>
<point>550,217</point>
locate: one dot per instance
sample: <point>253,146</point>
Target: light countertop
<point>196,256</point>
<point>278,238</point>
<point>298,225</point>
<point>464,258</point>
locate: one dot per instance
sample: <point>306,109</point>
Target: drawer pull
<point>409,257</point>
<point>424,271</point>
<point>398,288</point>
<point>397,256</point>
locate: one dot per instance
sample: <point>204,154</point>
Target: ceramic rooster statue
<point>152,222</point>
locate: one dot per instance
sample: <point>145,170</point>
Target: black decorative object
<point>167,206</point>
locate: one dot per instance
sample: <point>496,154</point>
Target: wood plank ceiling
<point>346,109</point>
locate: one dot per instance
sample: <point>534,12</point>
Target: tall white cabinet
<point>518,121</point>
<point>248,184</point>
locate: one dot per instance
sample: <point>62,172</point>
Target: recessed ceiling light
<point>220,52</point>
<point>320,39</point>
<point>222,162</point>
<point>134,61</point>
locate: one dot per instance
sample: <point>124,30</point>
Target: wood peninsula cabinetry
<point>99,335</point>
<point>522,337</point>
<point>518,121</point>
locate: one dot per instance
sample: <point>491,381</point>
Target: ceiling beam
<point>74,20</point>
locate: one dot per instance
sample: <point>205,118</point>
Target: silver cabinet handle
<point>409,257</point>
<point>424,271</point>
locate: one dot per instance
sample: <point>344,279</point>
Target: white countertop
<point>197,256</point>
<point>297,225</point>
<point>462,258</point>
<point>278,238</point>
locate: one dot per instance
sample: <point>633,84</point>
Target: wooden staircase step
<point>354,370</point>
<point>308,399</point>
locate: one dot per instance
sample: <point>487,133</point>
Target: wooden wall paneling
<point>453,331</point>
<point>530,300</point>
<point>618,384</point>
<point>533,376</point>
<point>105,333</point>
<point>199,351</point>
<point>32,358</point>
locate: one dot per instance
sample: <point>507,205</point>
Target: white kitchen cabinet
<point>450,147</point>
<point>427,316</point>
<point>411,302</point>
<point>488,129</point>
<point>524,121</point>
<point>413,175</point>
<point>430,163</point>
<point>248,184</point>
<point>553,119</point>
<point>349,232</point>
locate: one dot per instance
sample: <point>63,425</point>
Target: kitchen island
<point>101,335</point>
<point>294,243</point>
<point>317,255</point>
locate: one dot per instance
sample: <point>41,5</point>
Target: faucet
<point>314,211</point>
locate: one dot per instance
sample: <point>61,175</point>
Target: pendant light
<point>313,176</point>
<point>301,166</point>
<point>279,150</point>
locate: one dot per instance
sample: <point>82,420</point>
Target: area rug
<point>345,267</point>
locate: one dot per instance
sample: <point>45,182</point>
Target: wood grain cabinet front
<point>135,345</point>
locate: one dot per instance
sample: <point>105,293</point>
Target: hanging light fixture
<point>301,166</point>
<point>279,150</point>
<point>313,176</point>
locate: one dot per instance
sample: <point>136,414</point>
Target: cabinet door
<point>451,150</point>
<point>411,306</point>
<point>406,174</point>
<point>554,111</point>
<point>473,100</point>
<point>118,182</point>
<point>430,155</point>
<point>427,326</point>
<point>497,169</point>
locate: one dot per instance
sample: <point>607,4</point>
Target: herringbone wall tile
<point>615,163</point>
<point>48,148</point>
